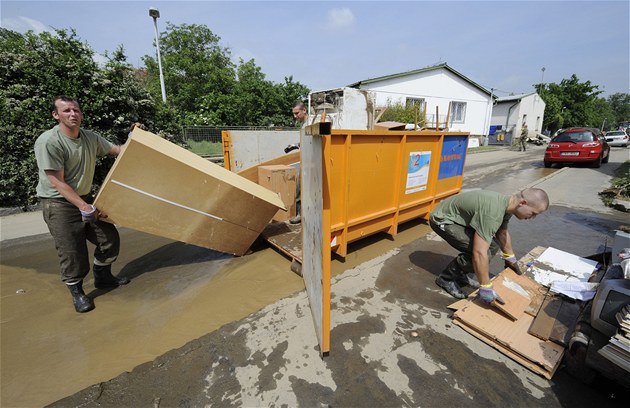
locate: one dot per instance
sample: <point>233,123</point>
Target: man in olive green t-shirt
<point>476,224</point>
<point>66,158</point>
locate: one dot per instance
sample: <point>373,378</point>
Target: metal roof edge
<point>418,71</point>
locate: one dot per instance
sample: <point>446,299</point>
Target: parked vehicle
<point>617,138</point>
<point>576,145</point>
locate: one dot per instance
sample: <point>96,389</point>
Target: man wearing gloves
<point>66,158</point>
<point>476,224</point>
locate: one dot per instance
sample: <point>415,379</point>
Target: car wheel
<point>597,163</point>
<point>607,157</point>
<point>547,164</point>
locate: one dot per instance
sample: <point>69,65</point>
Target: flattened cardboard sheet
<point>510,336</point>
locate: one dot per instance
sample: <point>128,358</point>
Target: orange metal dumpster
<point>356,183</point>
<point>380,179</point>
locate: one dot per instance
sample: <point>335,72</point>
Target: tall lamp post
<point>155,14</point>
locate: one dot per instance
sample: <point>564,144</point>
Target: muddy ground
<point>205,308</point>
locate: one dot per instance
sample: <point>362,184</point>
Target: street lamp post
<point>155,14</point>
<point>542,77</point>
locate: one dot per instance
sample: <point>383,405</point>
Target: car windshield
<point>574,137</point>
<point>616,133</point>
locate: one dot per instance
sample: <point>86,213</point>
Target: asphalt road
<point>382,293</point>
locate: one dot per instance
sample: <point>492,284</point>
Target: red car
<point>578,145</point>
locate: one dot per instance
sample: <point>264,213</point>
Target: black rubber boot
<point>103,278</point>
<point>451,288</point>
<point>81,302</point>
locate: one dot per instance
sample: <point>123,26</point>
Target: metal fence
<point>213,133</point>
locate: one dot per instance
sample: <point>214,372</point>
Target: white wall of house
<point>512,112</point>
<point>438,88</point>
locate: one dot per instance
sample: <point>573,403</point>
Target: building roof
<point>510,98</point>
<point>418,71</point>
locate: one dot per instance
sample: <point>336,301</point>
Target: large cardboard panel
<point>281,180</point>
<point>160,188</point>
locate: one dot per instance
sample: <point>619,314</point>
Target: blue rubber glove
<point>90,215</point>
<point>487,293</point>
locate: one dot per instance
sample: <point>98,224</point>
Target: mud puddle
<point>178,293</point>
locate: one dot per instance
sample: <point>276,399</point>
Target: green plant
<point>620,185</point>
<point>397,112</point>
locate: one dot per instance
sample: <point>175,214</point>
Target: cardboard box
<point>163,189</point>
<point>280,179</point>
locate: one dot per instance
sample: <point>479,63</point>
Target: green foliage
<point>204,87</point>
<point>398,112</point>
<point>574,103</point>
<point>620,186</point>
<point>35,69</point>
<point>622,180</point>
<point>620,105</point>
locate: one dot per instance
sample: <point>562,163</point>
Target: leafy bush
<point>35,69</point>
<point>398,112</point>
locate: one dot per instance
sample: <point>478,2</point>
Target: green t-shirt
<point>76,157</point>
<point>483,211</point>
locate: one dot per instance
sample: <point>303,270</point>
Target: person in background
<point>300,114</point>
<point>522,141</point>
<point>476,224</point>
<point>66,158</point>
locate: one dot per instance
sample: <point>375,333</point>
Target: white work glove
<point>89,215</point>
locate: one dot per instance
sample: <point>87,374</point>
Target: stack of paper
<point>618,349</point>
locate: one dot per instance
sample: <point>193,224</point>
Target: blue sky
<point>327,44</point>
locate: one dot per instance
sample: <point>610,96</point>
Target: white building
<point>438,87</point>
<point>511,112</point>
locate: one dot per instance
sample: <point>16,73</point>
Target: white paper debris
<point>575,290</point>
<point>555,265</point>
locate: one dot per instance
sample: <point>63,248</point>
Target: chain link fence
<point>212,134</point>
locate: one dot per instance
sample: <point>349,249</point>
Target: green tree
<point>204,87</point>
<point>196,68</point>
<point>570,103</point>
<point>35,69</point>
<point>620,105</point>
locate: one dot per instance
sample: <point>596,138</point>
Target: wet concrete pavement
<point>202,306</point>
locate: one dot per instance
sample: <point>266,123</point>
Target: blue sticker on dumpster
<point>453,156</point>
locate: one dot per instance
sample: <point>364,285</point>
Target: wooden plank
<point>160,188</point>
<point>543,322</point>
<point>287,238</point>
<point>564,325</point>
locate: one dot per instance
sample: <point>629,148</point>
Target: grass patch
<point>205,148</point>
<point>620,185</point>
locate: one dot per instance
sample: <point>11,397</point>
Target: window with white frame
<point>458,112</point>
<point>419,102</point>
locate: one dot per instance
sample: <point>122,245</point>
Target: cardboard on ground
<point>163,189</point>
<point>510,334</point>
